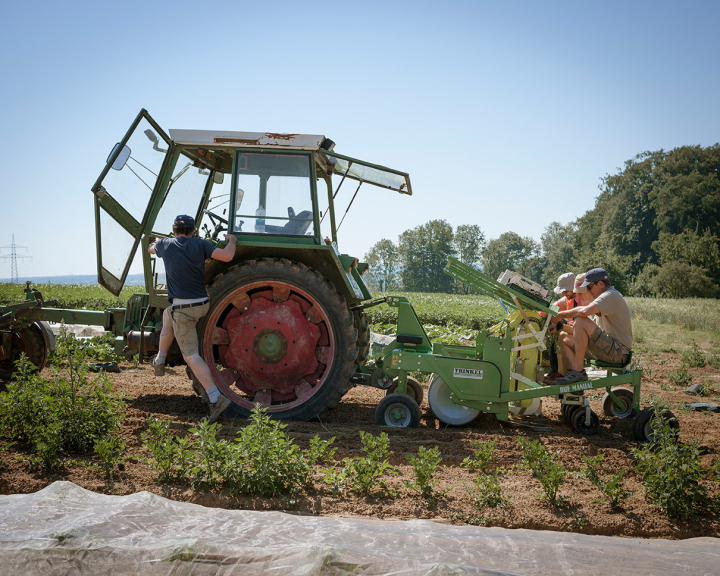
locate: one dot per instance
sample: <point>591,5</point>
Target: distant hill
<point>132,279</point>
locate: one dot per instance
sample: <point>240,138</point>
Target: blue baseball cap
<point>595,275</point>
<point>185,220</point>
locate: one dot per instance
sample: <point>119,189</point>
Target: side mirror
<point>218,177</point>
<point>122,158</point>
<point>154,139</point>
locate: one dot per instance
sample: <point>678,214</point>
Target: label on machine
<point>468,373</point>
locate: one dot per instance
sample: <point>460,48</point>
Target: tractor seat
<point>299,225</point>
<point>609,366</point>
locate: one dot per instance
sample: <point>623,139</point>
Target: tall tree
<point>424,251</point>
<point>510,251</point>
<point>469,243</point>
<point>558,248</point>
<point>384,272</point>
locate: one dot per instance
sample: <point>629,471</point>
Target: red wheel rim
<point>269,343</point>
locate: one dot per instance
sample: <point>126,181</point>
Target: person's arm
<point>151,248</point>
<point>578,312</point>
<point>228,253</point>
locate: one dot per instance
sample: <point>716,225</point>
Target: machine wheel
<point>578,422</point>
<point>363,329</point>
<point>398,410</point>
<point>564,411</point>
<point>643,424</point>
<point>535,407</point>
<point>29,341</point>
<point>414,389</point>
<point>280,335</point>
<point>626,397</point>
<point>570,411</point>
<point>445,410</point>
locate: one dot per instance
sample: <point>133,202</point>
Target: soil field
<point>582,511</point>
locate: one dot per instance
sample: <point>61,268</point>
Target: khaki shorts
<point>605,348</point>
<point>184,323</point>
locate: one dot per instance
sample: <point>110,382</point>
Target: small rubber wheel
<point>414,389</point>
<point>564,409</point>
<point>625,410</point>
<point>578,422</point>
<point>570,410</point>
<point>643,424</point>
<point>440,398</point>
<point>397,410</point>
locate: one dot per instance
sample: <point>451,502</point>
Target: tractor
<point>284,329</point>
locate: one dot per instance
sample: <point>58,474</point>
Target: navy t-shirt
<point>184,265</point>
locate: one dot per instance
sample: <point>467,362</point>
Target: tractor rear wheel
<point>280,335</point>
<point>28,341</point>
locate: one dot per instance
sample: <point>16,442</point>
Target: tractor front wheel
<point>280,335</point>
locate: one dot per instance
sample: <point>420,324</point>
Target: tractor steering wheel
<point>217,222</point>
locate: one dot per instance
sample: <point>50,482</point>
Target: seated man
<point>608,338</point>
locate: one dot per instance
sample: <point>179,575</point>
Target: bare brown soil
<point>583,510</point>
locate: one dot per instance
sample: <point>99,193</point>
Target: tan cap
<point>565,282</point>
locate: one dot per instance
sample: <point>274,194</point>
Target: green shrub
<point>424,468</point>
<point>487,491</point>
<point>482,456</point>
<point>694,357</point>
<point>542,463</point>
<point>671,472</point>
<point>68,412</point>
<point>262,460</point>
<point>364,473</point>
<point>714,361</point>
<point>209,458</point>
<point>162,446</point>
<point>100,348</point>
<point>680,377</point>
<point>109,450</point>
<point>613,488</point>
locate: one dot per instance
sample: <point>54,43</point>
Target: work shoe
<point>572,376</point>
<point>550,378</point>
<point>217,409</point>
<point>159,369</point>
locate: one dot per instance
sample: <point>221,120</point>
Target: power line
<point>14,256</point>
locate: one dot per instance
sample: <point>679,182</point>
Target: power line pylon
<point>14,256</point>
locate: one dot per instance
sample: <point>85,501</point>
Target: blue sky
<point>506,115</point>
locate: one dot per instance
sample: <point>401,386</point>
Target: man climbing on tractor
<point>184,258</point>
<point>608,338</point>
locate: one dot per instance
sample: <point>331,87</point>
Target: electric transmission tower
<point>14,256</point>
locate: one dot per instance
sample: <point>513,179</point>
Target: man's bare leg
<point>575,345</point>
<point>218,402</point>
<point>167,335</point>
<point>574,348</point>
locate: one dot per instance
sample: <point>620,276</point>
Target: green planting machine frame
<point>468,380</point>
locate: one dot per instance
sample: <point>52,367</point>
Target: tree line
<point>654,228</point>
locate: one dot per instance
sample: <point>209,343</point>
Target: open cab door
<point>122,198</point>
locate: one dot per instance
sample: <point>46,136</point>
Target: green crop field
<point>462,312</point>
<point>75,296</point>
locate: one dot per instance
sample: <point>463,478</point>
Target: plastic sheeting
<point>65,529</point>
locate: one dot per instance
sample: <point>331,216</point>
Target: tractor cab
<point>266,188</point>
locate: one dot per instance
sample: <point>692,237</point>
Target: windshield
<point>273,194</point>
<point>370,173</point>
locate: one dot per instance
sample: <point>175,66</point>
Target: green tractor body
<point>281,330</point>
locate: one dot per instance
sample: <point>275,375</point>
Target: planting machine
<point>287,327</point>
<point>501,375</point>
